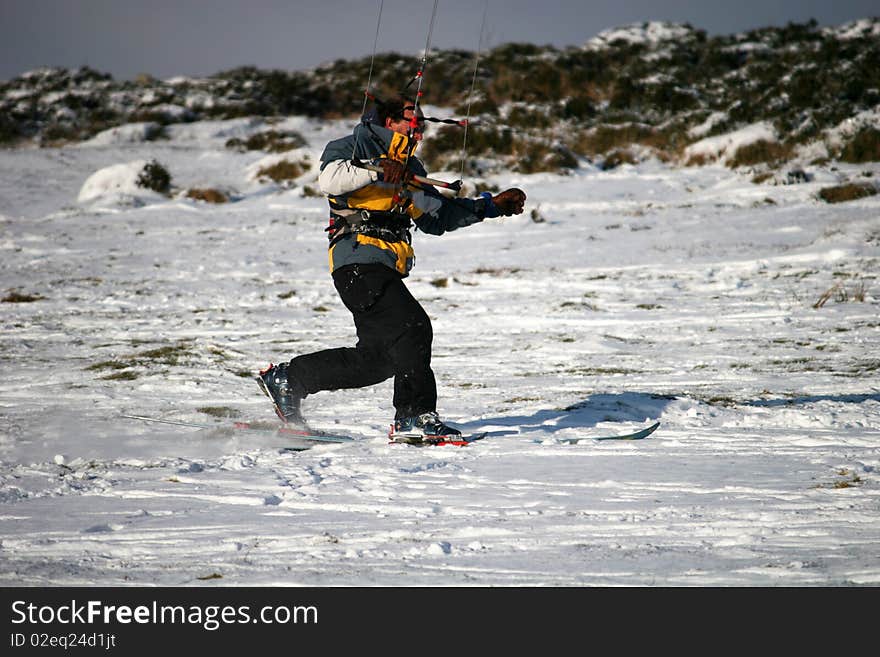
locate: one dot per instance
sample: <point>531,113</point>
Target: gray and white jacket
<point>351,190</point>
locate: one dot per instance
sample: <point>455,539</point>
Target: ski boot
<point>286,395</point>
<point>424,429</point>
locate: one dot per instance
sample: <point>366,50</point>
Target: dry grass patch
<point>271,141</point>
<point>19,297</point>
<point>760,152</point>
<point>847,192</point>
<point>284,171</point>
<point>863,147</point>
<point>208,195</point>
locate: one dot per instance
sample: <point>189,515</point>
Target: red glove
<point>394,172</point>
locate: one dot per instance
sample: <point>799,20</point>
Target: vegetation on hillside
<point>535,108</point>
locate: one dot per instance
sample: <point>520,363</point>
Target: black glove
<point>507,203</point>
<point>394,172</point>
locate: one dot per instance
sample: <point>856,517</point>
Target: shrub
<point>444,148</point>
<point>282,171</point>
<point>863,147</point>
<point>528,117</point>
<point>698,160</point>
<point>478,105</point>
<point>617,157</point>
<point>207,195</point>
<point>9,131</point>
<point>848,192</point>
<point>13,296</point>
<point>156,177</point>
<point>271,141</point>
<point>579,107</point>
<point>605,138</point>
<point>536,156</point>
<point>759,152</point>
<point>671,98</point>
<point>56,134</point>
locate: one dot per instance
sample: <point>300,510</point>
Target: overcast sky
<point>201,37</point>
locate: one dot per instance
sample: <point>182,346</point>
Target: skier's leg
<point>415,388</point>
<point>360,287</point>
<point>394,339</point>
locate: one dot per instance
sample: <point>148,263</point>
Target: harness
<point>387,226</point>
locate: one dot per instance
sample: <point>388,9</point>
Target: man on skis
<point>371,217</point>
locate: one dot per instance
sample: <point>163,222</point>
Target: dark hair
<point>393,108</point>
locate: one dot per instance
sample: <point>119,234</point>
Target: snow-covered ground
<point>644,293</point>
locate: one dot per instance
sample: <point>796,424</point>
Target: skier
<point>371,215</point>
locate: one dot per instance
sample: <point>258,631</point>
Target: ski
<point>419,440</point>
<point>309,437</point>
<point>307,434</point>
<point>635,435</point>
<point>464,440</point>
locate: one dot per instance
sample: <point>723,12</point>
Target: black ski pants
<point>394,339</point>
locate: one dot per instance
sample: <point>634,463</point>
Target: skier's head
<point>396,114</point>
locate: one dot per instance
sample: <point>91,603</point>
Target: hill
<point>755,99</point>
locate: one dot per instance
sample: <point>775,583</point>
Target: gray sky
<point>201,37</point>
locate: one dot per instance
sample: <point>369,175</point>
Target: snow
<point>706,126</point>
<point>724,147</point>
<point>117,184</point>
<point>648,33</point>
<point>128,133</point>
<point>863,28</point>
<point>650,292</point>
<point>850,126</point>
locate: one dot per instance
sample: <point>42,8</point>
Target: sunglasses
<point>420,122</point>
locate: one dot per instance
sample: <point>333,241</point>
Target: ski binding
<point>420,440</point>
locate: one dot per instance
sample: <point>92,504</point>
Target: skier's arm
<point>338,173</point>
<point>442,214</point>
<point>341,177</point>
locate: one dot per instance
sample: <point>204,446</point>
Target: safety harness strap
<point>388,226</point>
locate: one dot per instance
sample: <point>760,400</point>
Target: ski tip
<point>634,435</point>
